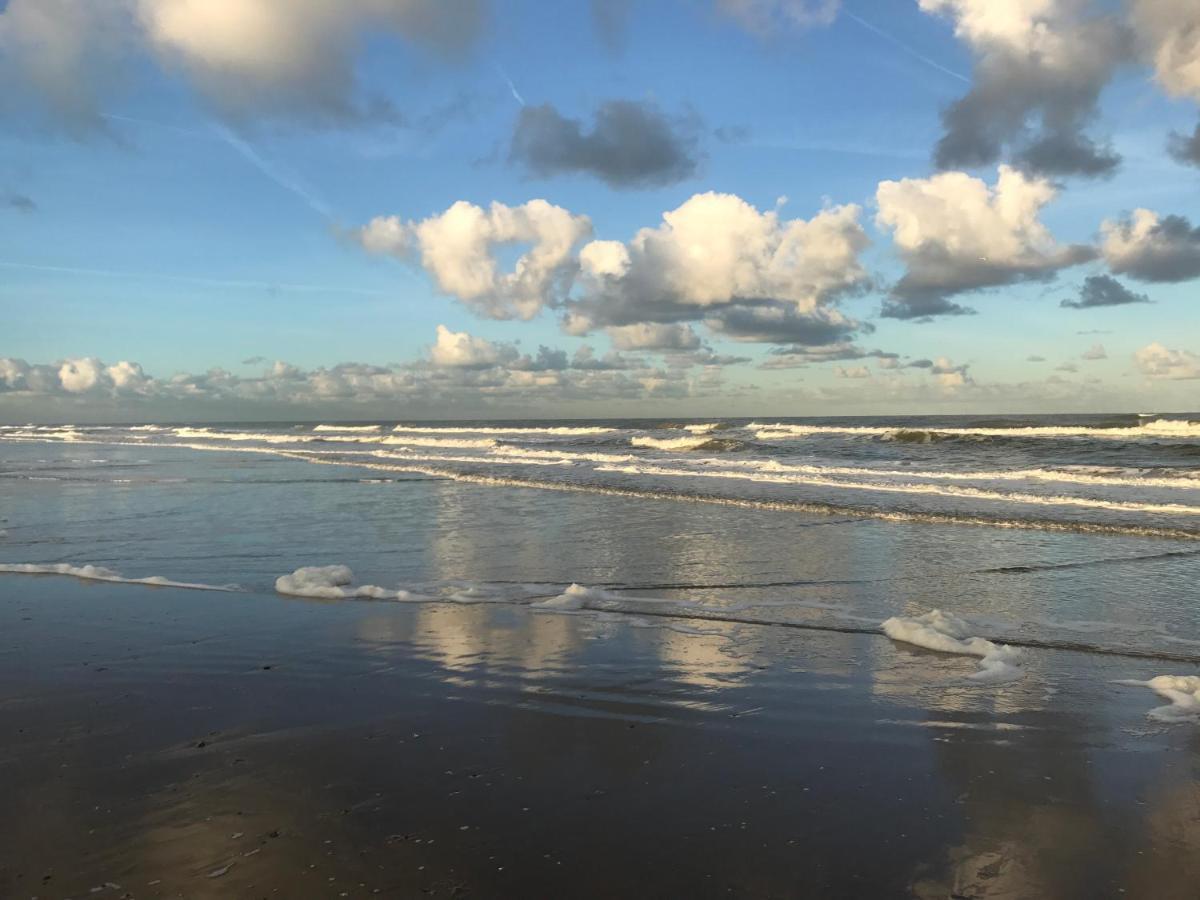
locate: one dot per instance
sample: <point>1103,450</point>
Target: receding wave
<point>99,573</point>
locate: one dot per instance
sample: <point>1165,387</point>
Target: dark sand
<point>165,743</point>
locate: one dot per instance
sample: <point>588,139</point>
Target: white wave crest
<point>99,573</point>
<point>679,443</point>
<point>349,428</point>
<point>565,430</point>
<point>947,633</point>
<point>905,488</point>
<point>1155,429</point>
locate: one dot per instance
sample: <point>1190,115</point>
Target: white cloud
<point>957,234</point>
<point>717,248</point>
<point>1159,362</point>
<point>948,375</point>
<point>716,257</point>
<point>1094,352</point>
<point>459,349</point>
<point>604,259</point>
<point>1169,32</point>
<point>1025,26</point>
<point>458,248</point>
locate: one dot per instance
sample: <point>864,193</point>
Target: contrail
<point>204,282</point>
<point>916,54</point>
<point>220,133</point>
<point>512,87</point>
<point>281,178</point>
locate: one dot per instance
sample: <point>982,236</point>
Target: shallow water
<point>215,506</point>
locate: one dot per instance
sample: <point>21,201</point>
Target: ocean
<point>1077,531</point>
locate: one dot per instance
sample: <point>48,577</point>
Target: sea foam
<point>99,573</point>
<point>1182,690</point>
<point>947,633</point>
<point>332,583</point>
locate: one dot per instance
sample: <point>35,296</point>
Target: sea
<point>1072,532</point>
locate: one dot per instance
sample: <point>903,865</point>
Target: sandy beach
<point>251,745</point>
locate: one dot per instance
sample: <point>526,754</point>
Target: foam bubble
<point>99,573</point>
<point>1182,690</point>
<point>574,598</point>
<point>331,583</point>
<point>947,633</point>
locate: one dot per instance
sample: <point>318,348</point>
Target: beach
<point>258,746</point>
<point>240,673</point>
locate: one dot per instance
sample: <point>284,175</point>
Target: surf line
<point>623,491</point>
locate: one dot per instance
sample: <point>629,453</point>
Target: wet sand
<point>166,743</point>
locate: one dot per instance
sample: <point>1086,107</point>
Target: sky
<point>293,209</point>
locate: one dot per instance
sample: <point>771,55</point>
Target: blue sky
<point>169,225</point>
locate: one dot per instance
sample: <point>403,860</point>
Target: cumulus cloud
<point>1148,247</point>
<point>767,17</point>
<point>956,234</point>
<point>462,372</point>
<point>458,248</point>
<point>1039,68</point>
<point>245,57</point>
<point>751,275</point>
<point>547,359</point>
<point>1159,362</point>
<point>631,145</point>
<point>460,350</point>
<point>79,376</point>
<point>653,336</point>
<point>1168,32</point>
<point>949,375</point>
<point>1103,290</point>
<point>1094,352</point>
